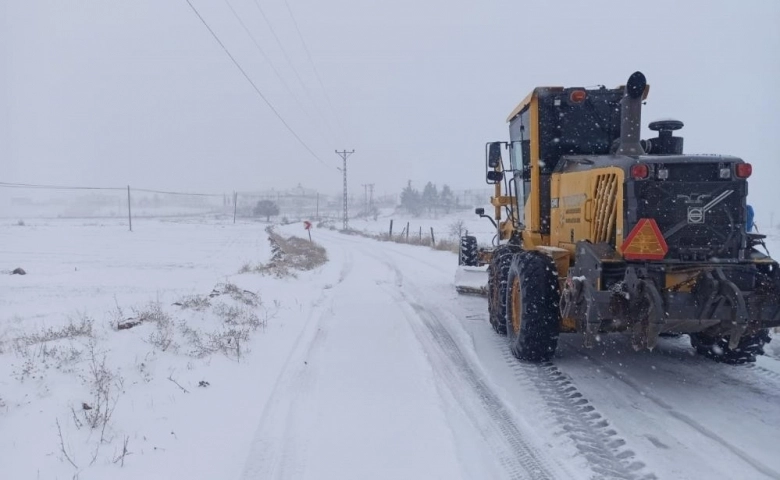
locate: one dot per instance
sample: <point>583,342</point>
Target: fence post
<point>433,239</point>
<point>129,214</point>
<point>421,234</point>
<point>407,231</point>
<point>235,205</point>
<point>391,228</point>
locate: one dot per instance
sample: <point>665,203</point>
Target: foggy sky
<point>110,93</point>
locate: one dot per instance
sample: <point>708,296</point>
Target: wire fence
<point>25,201</point>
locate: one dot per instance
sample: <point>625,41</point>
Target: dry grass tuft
<point>289,255</point>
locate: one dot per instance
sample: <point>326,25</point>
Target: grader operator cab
<point>599,231</point>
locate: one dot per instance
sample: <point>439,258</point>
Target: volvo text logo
<point>694,198</point>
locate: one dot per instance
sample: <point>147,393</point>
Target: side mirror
<point>494,177</point>
<point>494,154</point>
<point>479,211</point>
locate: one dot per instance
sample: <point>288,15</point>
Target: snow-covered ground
<point>370,366</point>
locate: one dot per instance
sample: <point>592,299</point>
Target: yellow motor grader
<point>600,231</point>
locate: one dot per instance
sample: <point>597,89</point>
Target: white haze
<point>110,93</point>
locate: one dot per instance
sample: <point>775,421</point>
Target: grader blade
<point>471,280</point>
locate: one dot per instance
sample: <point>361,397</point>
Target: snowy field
<point>370,366</point>
<point>79,277</point>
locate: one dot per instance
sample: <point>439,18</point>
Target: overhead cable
<point>313,65</point>
<point>254,86</point>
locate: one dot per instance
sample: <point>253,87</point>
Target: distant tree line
<point>430,200</point>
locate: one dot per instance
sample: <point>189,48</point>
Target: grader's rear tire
<point>468,251</point>
<point>532,315</point>
<point>717,348</point>
<point>498,270</point>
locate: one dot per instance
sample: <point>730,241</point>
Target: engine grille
<point>699,220</point>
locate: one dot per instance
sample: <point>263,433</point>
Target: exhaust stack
<point>631,116</point>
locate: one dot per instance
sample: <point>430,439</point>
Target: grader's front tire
<point>498,270</point>
<point>532,315</point>
<point>469,255</point>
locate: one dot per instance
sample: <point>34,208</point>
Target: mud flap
<point>592,320</point>
<point>649,328</point>
<point>645,299</point>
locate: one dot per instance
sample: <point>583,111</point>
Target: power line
<point>69,187</point>
<point>313,65</point>
<point>235,62</point>
<point>289,62</point>
<point>54,187</point>
<point>186,194</point>
<point>266,57</point>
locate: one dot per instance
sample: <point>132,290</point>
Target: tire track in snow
<point>275,452</point>
<point>764,372</point>
<point>756,464</point>
<point>604,450</point>
<point>606,453</point>
<point>519,458</point>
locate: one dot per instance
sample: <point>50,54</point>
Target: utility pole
<point>129,214</point>
<point>370,195</point>
<point>344,154</point>
<point>365,197</point>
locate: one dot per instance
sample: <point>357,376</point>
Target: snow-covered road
<point>377,388</point>
<point>397,376</point>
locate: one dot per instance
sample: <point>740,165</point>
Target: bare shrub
<point>194,338</point>
<point>237,316</point>
<point>102,383</point>
<point>117,315</point>
<point>164,329</point>
<point>52,347</point>
<point>237,322</point>
<point>120,458</point>
<point>63,450</point>
<point>152,313</point>
<point>227,340</point>
<point>236,293</point>
<point>20,223</point>
<point>194,302</point>
<point>73,329</point>
<point>457,229</point>
<point>289,255</point>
